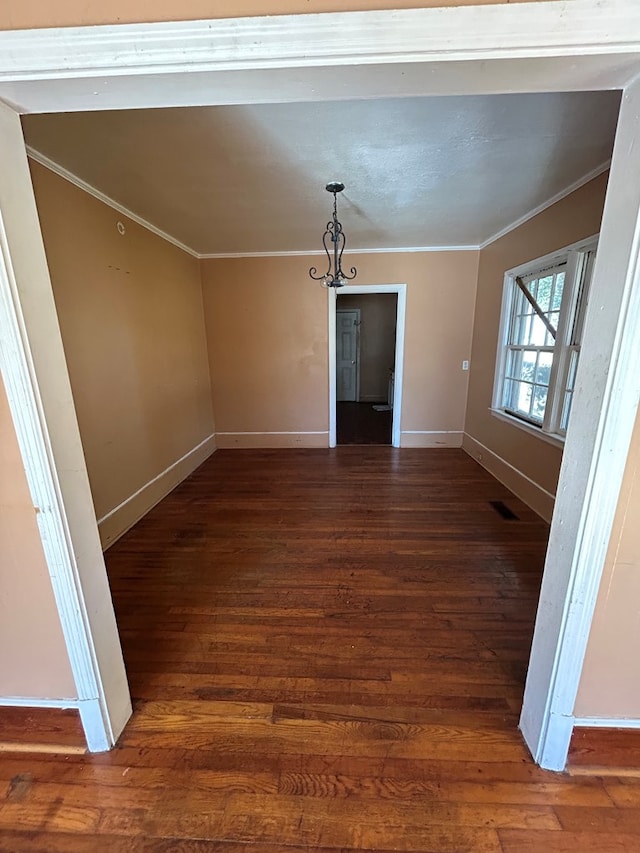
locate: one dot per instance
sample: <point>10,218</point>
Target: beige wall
<point>33,655</point>
<point>573,218</point>
<point>130,311</point>
<point>21,14</point>
<point>266,332</point>
<point>609,685</point>
<point>267,329</point>
<point>377,341</point>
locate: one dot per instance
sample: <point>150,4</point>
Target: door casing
<point>523,47</point>
<point>354,289</point>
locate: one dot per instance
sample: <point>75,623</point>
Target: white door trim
<point>546,46</point>
<point>355,289</point>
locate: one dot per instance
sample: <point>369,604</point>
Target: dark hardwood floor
<point>327,652</point>
<point>360,423</point>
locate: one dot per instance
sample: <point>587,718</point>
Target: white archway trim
<point>594,459</point>
<point>25,291</point>
<point>562,45</point>
<point>352,290</point>
<point>558,28</point>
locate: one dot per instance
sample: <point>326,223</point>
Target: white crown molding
<point>310,252</point>
<point>62,172</point>
<point>524,30</point>
<point>59,170</point>
<point>50,164</point>
<point>548,203</point>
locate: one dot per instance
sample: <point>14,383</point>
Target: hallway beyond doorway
<point>362,423</point>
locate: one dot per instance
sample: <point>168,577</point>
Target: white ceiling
<point>431,171</point>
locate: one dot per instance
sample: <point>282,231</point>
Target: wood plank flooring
<point>327,652</point>
<point>612,752</point>
<point>41,729</point>
<point>360,423</point>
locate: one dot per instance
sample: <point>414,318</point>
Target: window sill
<point>555,440</point>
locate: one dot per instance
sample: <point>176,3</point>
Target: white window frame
<point>575,257</point>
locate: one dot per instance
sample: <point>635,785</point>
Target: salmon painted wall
<point>267,328</point>
<point>22,14</point>
<point>499,446</point>
<point>130,311</point>
<point>609,686</point>
<point>33,654</point>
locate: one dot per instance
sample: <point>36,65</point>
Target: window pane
<point>543,370</point>
<point>573,366</point>
<point>557,292</point>
<point>521,398</point>
<point>583,298</point>
<point>528,367</point>
<point>512,369</point>
<point>566,410</point>
<point>539,402</point>
<point>538,335</point>
<point>507,397</point>
<point>543,296</point>
<point>523,328</point>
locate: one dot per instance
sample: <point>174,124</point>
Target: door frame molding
<point>366,289</point>
<point>546,46</point>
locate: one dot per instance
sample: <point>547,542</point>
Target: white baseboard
<point>34,702</point>
<point>115,523</point>
<point>430,438</point>
<point>533,494</point>
<point>98,735</point>
<point>249,440</point>
<point>605,723</point>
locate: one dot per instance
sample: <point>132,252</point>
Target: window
<point>541,331</point>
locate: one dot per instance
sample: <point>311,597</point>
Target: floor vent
<point>502,509</point>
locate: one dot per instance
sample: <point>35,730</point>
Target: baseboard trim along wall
<point>533,494</point>
<point>115,523</point>
<point>24,740</point>
<point>248,440</point>
<point>605,723</point>
<point>34,702</point>
<point>430,438</point>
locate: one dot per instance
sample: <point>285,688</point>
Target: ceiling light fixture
<point>334,276</point>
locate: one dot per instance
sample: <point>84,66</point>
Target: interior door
<point>347,323</point>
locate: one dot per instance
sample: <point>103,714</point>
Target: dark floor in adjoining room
<point>327,652</point>
<point>360,423</point>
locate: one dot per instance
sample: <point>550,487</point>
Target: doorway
<point>365,367</point>
<point>595,454</point>
<point>365,397</point>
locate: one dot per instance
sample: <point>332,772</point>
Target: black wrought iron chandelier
<point>334,276</point>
